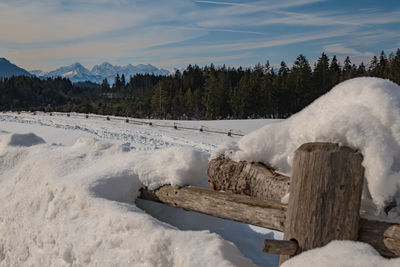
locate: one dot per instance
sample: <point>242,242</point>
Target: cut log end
<point>247,178</point>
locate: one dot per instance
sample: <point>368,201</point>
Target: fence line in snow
<point>176,126</point>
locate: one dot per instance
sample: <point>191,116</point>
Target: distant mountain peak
<point>77,64</point>
<point>78,73</point>
<point>3,59</point>
<point>7,69</point>
<point>105,64</point>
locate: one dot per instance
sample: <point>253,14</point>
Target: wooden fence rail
<point>383,236</point>
<point>324,204</point>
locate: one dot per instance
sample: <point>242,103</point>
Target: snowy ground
<point>68,185</point>
<point>85,172</point>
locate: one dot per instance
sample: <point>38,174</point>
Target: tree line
<point>198,93</point>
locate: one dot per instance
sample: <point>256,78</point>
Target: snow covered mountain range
<point>78,73</point>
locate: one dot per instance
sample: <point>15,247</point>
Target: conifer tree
<point>105,86</point>
<point>348,70</point>
<point>335,71</point>
<point>382,65</point>
<point>373,67</point>
<point>321,77</point>
<point>300,80</point>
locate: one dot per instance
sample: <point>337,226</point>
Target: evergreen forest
<point>197,93</point>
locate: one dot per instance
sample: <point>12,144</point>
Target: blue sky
<point>45,34</point>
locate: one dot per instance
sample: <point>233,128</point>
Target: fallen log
<point>247,178</point>
<point>384,237</point>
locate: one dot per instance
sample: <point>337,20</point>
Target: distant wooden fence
<point>176,126</point>
<point>324,204</point>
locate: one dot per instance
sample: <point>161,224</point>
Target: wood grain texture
<point>325,195</point>
<point>383,236</point>
<point>235,207</point>
<point>247,178</point>
<point>282,247</point>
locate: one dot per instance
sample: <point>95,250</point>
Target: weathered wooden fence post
<point>325,196</point>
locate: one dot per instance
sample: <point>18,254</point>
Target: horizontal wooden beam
<point>384,237</point>
<point>234,207</point>
<point>282,247</point>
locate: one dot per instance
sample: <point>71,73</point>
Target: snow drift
<point>363,113</point>
<point>56,208</point>
<point>342,254</point>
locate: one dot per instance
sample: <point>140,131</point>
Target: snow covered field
<point>68,185</point>
<point>71,188</point>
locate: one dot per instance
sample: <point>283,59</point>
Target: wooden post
<point>325,196</point>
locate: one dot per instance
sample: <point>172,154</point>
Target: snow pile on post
<point>362,113</point>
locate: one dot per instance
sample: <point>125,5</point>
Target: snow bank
<point>26,140</point>
<point>56,208</point>
<point>363,113</point>
<point>342,254</point>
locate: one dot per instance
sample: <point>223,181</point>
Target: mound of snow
<point>182,166</point>
<point>56,208</point>
<point>26,140</point>
<point>342,254</point>
<point>363,113</point>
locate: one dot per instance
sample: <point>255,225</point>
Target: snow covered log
<point>247,178</point>
<point>384,237</point>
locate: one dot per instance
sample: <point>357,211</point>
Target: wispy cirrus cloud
<point>108,49</point>
<point>41,21</point>
<point>242,47</point>
<point>343,50</point>
<point>186,60</point>
<point>221,3</point>
<point>45,33</point>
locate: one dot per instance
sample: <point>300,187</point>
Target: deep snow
<point>68,196</point>
<point>56,208</point>
<point>68,185</point>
